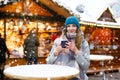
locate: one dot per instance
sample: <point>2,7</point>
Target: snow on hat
<point>72,20</point>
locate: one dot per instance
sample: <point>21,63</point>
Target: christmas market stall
<point>17,18</point>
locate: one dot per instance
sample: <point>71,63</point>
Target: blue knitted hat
<point>72,20</point>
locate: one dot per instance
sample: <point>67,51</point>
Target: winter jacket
<point>31,44</point>
<point>3,50</point>
<point>81,60</point>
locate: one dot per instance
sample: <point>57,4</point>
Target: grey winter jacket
<point>82,58</point>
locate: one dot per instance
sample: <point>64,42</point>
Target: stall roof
<point>91,10</point>
<point>40,9</point>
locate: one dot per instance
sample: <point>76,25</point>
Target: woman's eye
<point>68,25</point>
<point>74,25</point>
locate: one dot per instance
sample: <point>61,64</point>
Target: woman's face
<point>71,28</point>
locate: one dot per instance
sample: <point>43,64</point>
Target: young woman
<point>75,52</point>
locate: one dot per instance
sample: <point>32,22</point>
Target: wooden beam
<point>54,6</point>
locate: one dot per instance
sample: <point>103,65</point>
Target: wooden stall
<point>104,39</point>
<point>19,17</point>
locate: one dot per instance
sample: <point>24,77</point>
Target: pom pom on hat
<point>72,20</point>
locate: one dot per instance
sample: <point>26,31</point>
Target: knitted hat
<point>72,20</point>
